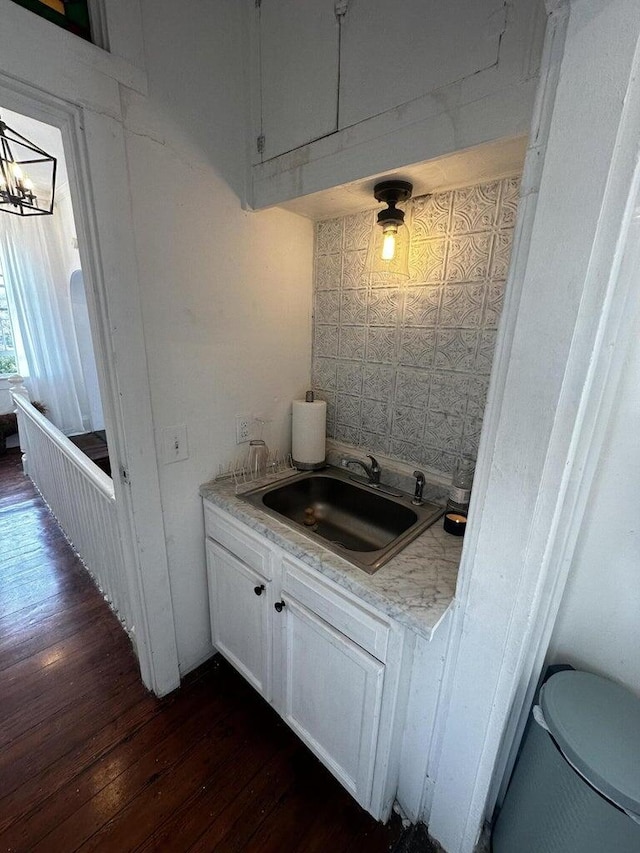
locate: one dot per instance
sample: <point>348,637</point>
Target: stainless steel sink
<point>356,521</point>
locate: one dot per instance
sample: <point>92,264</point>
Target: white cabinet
<point>298,73</point>
<point>332,697</point>
<point>324,66</point>
<point>393,53</point>
<point>329,664</point>
<point>240,616</point>
<point>332,681</point>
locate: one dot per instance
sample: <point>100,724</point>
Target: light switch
<point>174,444</point>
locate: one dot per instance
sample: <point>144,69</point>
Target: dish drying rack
<point>277,467</point>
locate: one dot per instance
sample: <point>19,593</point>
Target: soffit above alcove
<point>464,168</point>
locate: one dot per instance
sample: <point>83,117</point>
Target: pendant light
<point>27,175</point>
<point>389,247</point>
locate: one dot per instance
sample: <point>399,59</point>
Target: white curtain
<point>32,260</point>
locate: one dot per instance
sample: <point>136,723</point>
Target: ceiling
<point>464,168</point>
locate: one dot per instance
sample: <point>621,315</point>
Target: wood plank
<point>55,627</point>
<point>149,771</point>
<point>258,756</point>
<point>89,760</point>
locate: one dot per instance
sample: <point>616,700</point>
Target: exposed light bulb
<point>388,247</point>
<point>28,184</point>
<point>389,242</point>
<point>17,172</point>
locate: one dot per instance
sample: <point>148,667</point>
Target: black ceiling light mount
<point>27,175</point>
<point>391,193</point>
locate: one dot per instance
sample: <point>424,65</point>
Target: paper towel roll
<point>308,433</point>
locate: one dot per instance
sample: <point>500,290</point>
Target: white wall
<point>598,626</point>
<point>557,340</point>
<point>226,294</point>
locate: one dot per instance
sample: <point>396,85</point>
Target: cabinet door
<point>298,69</point>
<point>332,697</point>
<point>241,623</point>
<point>392,53</point>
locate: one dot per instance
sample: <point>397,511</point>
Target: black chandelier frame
<point>17,196</point>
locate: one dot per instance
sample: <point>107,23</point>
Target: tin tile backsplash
<point>404,364</point>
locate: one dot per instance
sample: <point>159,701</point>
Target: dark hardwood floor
<point>89,760</point>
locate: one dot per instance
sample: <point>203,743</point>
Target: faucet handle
<point>375,468</point>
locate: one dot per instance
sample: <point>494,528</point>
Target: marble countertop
<point>416,587</point>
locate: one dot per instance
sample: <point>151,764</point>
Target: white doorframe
<point>95,151</point>
<point>565,325</point>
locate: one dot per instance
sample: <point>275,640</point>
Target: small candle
<point>455,523</point>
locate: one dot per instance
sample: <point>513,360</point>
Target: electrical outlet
<point>174,444</point>
<point>242,428</point>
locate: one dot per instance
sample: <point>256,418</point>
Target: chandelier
<point>27,175</point>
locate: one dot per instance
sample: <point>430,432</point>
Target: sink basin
<point>354,520</point>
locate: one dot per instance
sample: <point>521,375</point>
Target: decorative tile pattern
<point>486,347</point>
<point>426,260</point>
<point>477,395</point>
<point>408,424</point>
<point>348,410</point>
<point>456,349</point>
<point>378,382</point>
<point>461,306</point>
<point>508,209</point>
<point>329,236</point>
<point>404,366</point>
<point>471,436</point>
<point>323,374</point>
<point>382,344</point>
<point>325,342</point>
<point>421,306</point>
<point>346,434</point>
<point>430,215</point>
<point>405,450</point>
<point>375,443</point>
<point>493,304</point>
<point>357,230</point>
<point>352,342</point>
<point>350,377</point>
<point>384,306</point>
<point>468,257</point>
<point>475,208</point>
<point>501,254</point>
<point>449,393</point>
<point>375,416</point>
<point>412,388</point>
<point>443,431</point>
<point>353,269</point>
<point>327,306</point>
<point>328,269</point>
<point>418,347</point>
<point>353,307</point>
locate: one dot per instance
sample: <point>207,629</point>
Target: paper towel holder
<point>309,397</point>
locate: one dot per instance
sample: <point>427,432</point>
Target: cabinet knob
<point>259,589</point>
<point>279,605</point>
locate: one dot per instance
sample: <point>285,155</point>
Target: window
<point>72,15</point>
<point>8,359</point>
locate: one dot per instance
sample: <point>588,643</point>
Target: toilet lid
<point>596,724</point>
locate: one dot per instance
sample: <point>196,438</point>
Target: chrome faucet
<point>372,471</point>
<point>417,497</point>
